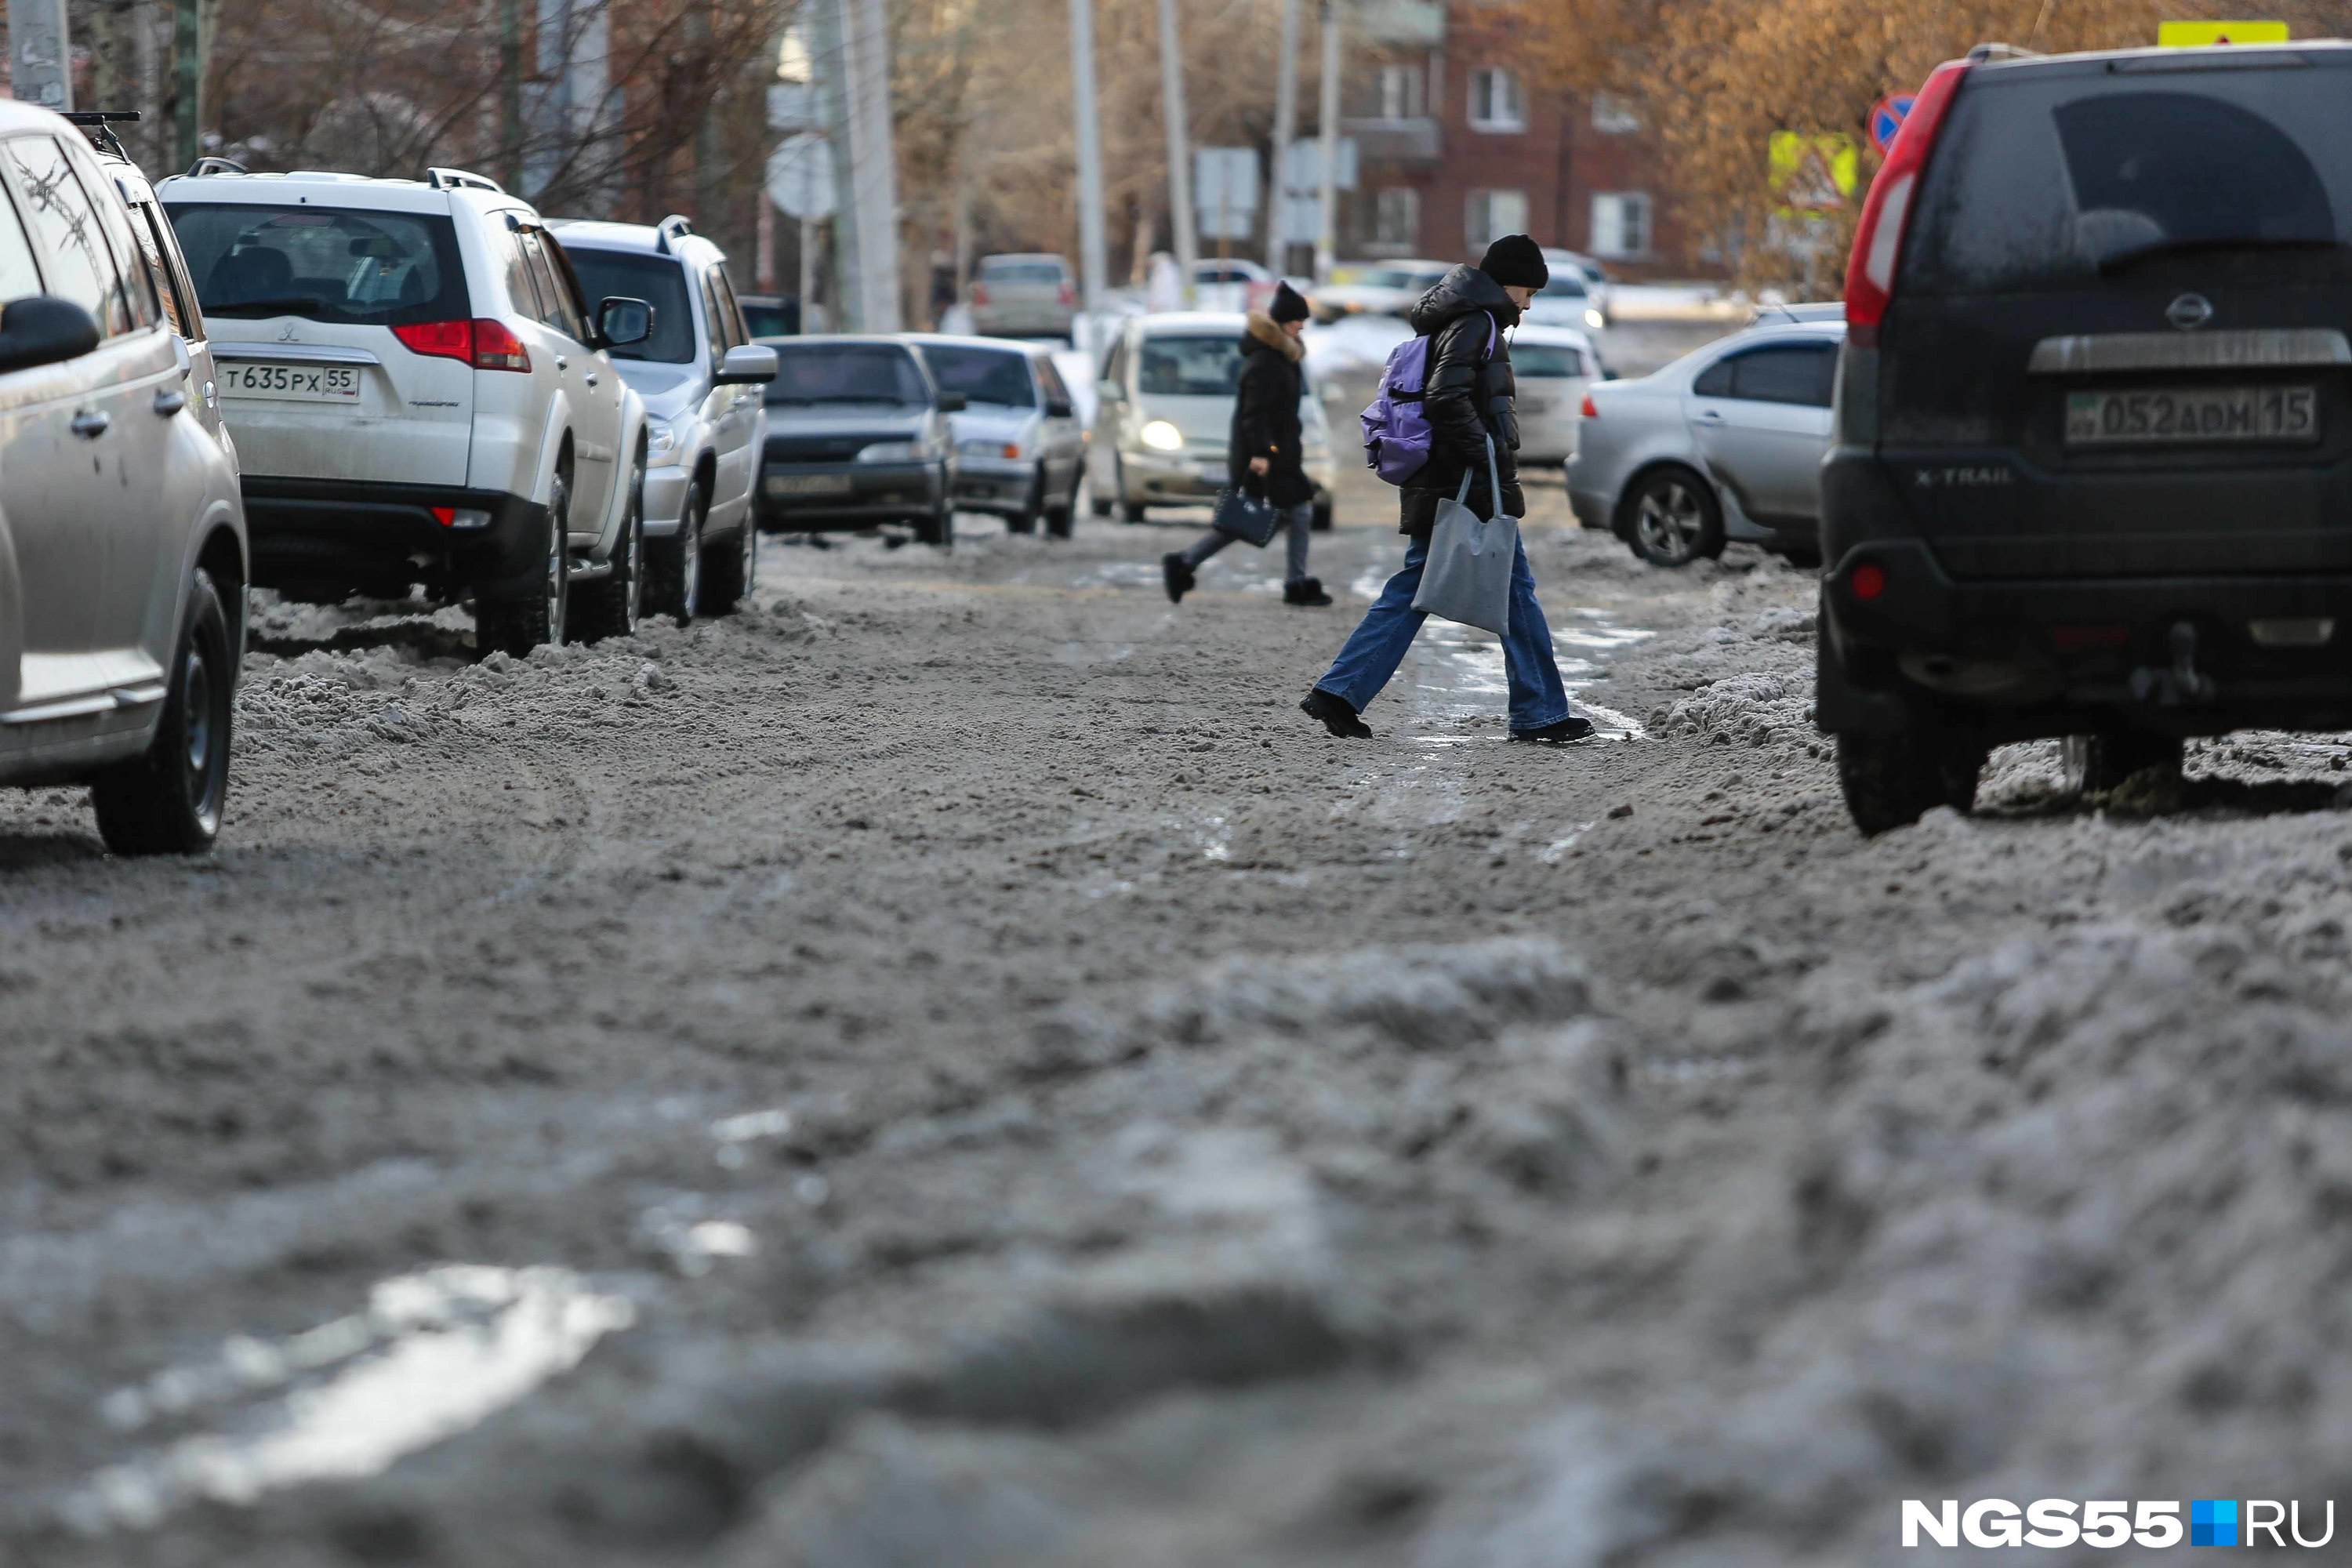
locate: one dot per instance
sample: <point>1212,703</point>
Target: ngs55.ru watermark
<point>2057,1521</point>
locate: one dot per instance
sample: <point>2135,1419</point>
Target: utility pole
<point>1180,154</point>
<point>511,93</point>
<point>1286,130</point>
<point>41,55</point>
<point>1092,263</point>
<point>872,191</point>
<point>845,300</point>
<point>188,42</point>
<point>1327,235</point>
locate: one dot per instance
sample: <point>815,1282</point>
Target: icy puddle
<point>434,1353</point>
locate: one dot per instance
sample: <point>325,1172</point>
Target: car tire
<point>729,568</point>
<point>518,624</point>
<point>1097,501</point>
<point>1322,520</point>
<point>1130,511</point>
<point>169,800</point>
<point>2096,764</point>
<point>1672,518</point>
<point>610,605</point>
<point>1033,507</point>
<point>1061,521</point>
<point>1892,780</point>
<point>674,585</point>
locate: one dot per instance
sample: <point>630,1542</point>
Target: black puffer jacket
<point>1265,416</point>
<point>1469,398</point>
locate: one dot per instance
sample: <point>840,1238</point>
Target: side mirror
<point>44,329</point>
<point>747,364</point>
<point>1059,409</point>
<point>1110,391</point>
<point>953,402</point>
<point>621,321</point>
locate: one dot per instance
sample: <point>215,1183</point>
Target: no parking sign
<point>1887,117</point>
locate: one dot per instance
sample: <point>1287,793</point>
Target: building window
<point>1614,116</point>
<point>1401,92</point>
<point>1396,219</point>
<point>1495,100</point>
<point>1493,213</point>
<point>1621,223</point>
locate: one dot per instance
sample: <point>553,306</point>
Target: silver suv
<point>699,374</point>
<point>122,544</point>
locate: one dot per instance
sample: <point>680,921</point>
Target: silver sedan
<point>1722,444</point>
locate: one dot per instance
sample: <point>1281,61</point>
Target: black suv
<point>2092,471</point>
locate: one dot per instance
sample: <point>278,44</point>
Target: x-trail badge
<point>2189,311</point>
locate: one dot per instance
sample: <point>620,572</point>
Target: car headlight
<point>1162,436</point>
<point>662,445</point>
<point>1595,320</point>
<point>891,452</point>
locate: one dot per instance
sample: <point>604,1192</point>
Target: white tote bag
<point>1467,574</point>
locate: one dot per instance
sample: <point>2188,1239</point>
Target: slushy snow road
<point>949,1066</point>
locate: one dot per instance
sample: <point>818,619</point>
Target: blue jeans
<point>1379,644</point>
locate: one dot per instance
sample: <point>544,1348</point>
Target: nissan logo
<point>2189,311</point>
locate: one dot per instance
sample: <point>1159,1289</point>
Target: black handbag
<point>1248,517</point>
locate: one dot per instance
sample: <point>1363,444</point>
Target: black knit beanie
<point>1288,304</point>
<point>1515,262</point>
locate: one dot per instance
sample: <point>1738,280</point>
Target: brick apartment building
<point>1454,146</point>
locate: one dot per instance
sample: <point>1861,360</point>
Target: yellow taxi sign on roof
<point>2205,34</point>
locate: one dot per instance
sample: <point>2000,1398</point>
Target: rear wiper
<point>291,303</point>
<point>2113,264</point>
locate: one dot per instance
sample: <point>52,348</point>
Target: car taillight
<point>1878,237</point>
<point>980,293</point>
<point>495,348</point>
<point>1589,409</point>
<point>441,339</point>
<point>1068,296</point>
<point>1868,581</point>
<point>483,343</point>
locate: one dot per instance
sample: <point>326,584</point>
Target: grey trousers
<point>1299,520</point>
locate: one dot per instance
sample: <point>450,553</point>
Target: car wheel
<point>1097,501</point>
<point>2099,762</point>
<point>730,567</point>
<point>1033,506</point>
<point>1672,518</point>
<point>1322,520</point>
<point>1891,780</point>
<point>517,625</point>
<point>169,801</point>
<point>674,565</point>
<point>610,605</point>
<point>1130,511</point>
<point>1061,521</point>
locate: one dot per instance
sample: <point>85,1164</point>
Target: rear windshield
<point>1566,283</point>
<point>1546,361</point>
<point>2045,179</point>
<point>323,263</point>
<point>983,375</point>
<point>1021,271</point>
<point>1190,367</point>
<point>847,372</point>
<point>771,318</point>
<point>659,281</point>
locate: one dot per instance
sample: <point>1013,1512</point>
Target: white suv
<point>700,376</point>
<point>422,394</point>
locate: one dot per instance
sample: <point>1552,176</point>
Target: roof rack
<point>677,226</point>
<point>203,166</point>
<point>97,124</point>
<point>462,179</point>
<point>1984,52</point>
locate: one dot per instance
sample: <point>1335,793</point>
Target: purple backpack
<point>1397,436</point>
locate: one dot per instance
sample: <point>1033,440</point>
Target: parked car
<point>1565,300</point>
<point>1165,408</point>
<point>1232,284</point>
<point>858,435</point>
<point>421,393</point>
<point>2093,427</point>
<point>1377,288</point>
<point>699,376</point>
<point>1597,281</point>
<point>1553,367</point>
<point>771,315</point>
<point>123,540</point>
<point>1019,449</point>
<point>1023,296</point>
<point>1725,443</point>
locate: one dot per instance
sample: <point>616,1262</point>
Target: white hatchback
<point>421,393</point>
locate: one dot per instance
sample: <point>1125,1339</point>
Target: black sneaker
<point>1306,591</point>
<point>1336,715</point>
<point>1569,729</point>
<point>1177,575</point>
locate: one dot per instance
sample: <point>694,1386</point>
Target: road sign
<point>1813,172</point>
<point>2204,34</point>
<point>800,176</point>
<point>1302,170</point>
<point>1886,118</point>
<point>1225,191</point>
